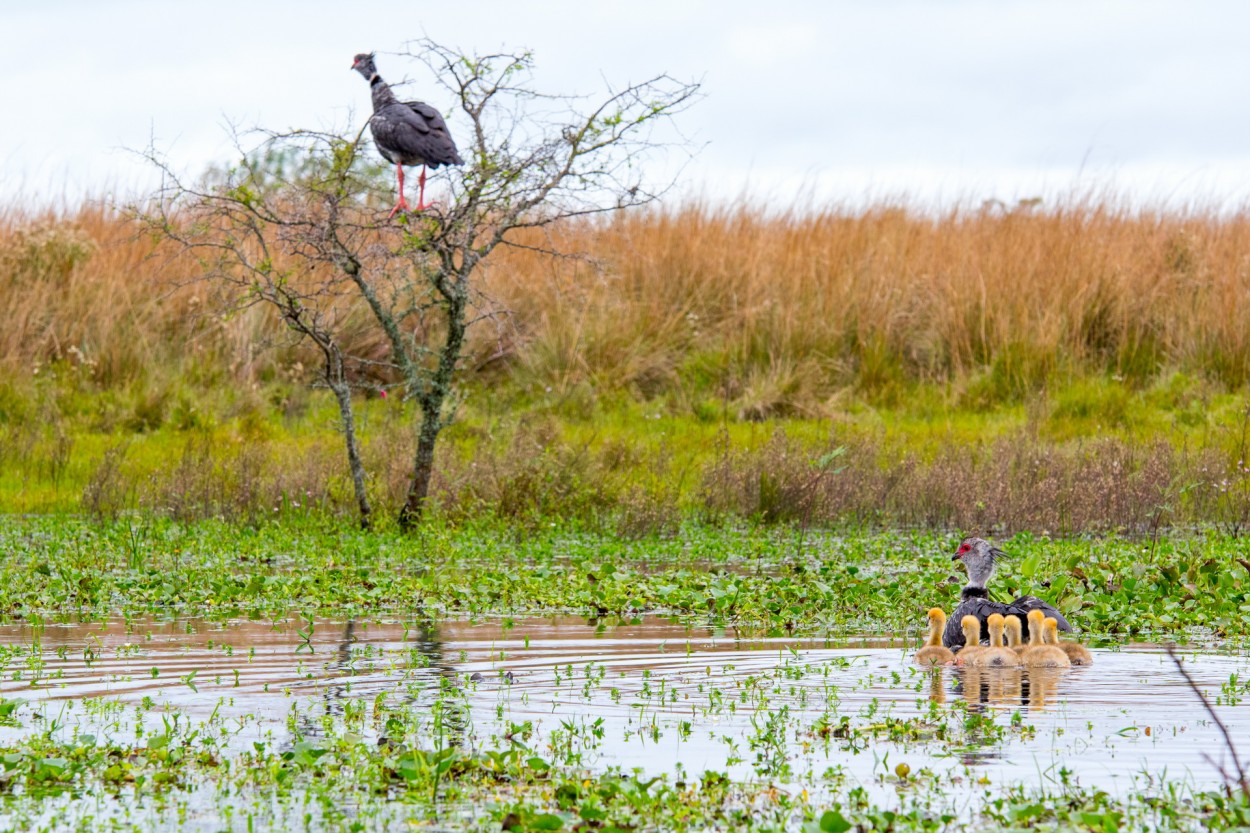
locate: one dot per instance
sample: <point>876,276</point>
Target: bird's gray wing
<point>1021,607</point>
<point>440,148</point>
<point>429,118</point>
<point>398,127</point>
<point>413,137</point>
<point>972,606</point>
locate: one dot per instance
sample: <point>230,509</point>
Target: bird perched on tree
<point>979,557</point>
<point>406,132</point>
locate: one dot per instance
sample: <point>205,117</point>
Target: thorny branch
<point>1229,780</point>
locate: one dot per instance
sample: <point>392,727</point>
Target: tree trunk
<point>336,379</point>
<point>422,467</point>
<point>343,393</point>
<point>436,389</point>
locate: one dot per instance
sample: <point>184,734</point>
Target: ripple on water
<point>664,694</point>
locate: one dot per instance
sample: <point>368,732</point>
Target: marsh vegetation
<point>702,486</point>
<point>208,677</point>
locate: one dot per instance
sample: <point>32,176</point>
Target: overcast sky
<point>934,100</point>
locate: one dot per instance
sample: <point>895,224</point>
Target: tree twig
<point>1240,780</point>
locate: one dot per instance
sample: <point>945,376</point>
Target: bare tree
<point>298,226</point>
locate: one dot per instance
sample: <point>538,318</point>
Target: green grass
<point>527,455</point>
<point>764,579</point>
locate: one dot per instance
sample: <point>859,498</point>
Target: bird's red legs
<point>421,203</point>
<point>403,203</point>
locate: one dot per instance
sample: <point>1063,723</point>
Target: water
<point>655,696</point>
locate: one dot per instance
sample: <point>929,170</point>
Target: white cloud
<point>939,99</point>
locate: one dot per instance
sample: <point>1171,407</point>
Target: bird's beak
<point>957,556</point>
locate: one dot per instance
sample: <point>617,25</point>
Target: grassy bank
<point>638,469</point>
<point>1077,368</point>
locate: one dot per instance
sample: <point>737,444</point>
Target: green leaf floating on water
<point>832,821</point>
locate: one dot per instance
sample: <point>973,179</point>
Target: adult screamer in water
<point>979,557</point>
<point>406,132</point>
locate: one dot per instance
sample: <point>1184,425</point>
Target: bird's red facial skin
<point>963,548</point>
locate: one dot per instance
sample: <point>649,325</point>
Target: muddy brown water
<point>671,698</point>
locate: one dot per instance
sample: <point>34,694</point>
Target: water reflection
<point>657,694</point>
<point>435,690</point>
<point>1007,688</point>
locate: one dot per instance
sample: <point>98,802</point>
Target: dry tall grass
<point>773,313</point>
<point>86,290</point>
<point>783,311</point>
